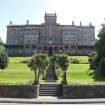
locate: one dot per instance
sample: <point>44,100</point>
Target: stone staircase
<point>50,75</point>
<point>48,89</point>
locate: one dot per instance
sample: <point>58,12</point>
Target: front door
<point>50,51</point>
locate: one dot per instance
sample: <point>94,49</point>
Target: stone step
<point>47,94</point>
<point>50,74</point>
<point>48,89</point>
<point>50,80</point>
<point>49,85</point>
<point>50,93</point>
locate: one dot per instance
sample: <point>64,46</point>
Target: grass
<point>19,73</point>
<point>16,72</point>
<point>17,59</point>
<point>81,59</point>
<point>79,73</point>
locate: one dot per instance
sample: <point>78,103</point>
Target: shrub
<point>3,60</point>
<point>75,61</point>
<point>24,61</point>
<point>102,66</point>
<point>93,59</point>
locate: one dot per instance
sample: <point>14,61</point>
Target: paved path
<point>51,100</point>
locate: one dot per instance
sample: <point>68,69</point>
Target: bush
<point>102,66</point>
<point>24,61</point>
<point>75,61</point>
<point>93,60</point>
<point>3,60</point>
<point>3,56</point>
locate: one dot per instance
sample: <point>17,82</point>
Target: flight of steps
<point>50,75</point>
<point>48,89</point>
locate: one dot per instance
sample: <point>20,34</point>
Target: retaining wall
<point>18,91</point>
<point>64,91</point>
<point>83,91</point>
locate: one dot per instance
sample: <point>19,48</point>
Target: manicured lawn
<point>17,72</point>
<point>17,59</point>
<point>79,73</point>
<point>82,59</point>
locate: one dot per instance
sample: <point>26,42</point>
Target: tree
<point>54,63</point>
<point>38,64</point>
<point>93,60</point>
<point>102,66</point>
<point>1,43</point>
<point>100,45</point>
<point>97,59</point>
<point>3,56</point>
<point>63,62</point>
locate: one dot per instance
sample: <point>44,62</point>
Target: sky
<point>19,11</point>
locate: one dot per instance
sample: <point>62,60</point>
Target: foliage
<point>99,45</point>
<point>93,61</point>
<point>102,66</point>
<point>38,64</point>
<point>63,62</point>
<point>3,60</point>
<point>1,43</point>
<point>75,61</point>
<point>54,63</point>
<point>96,58</point>
<point>3,56</point>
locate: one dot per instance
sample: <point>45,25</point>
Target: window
<point>66,33</point>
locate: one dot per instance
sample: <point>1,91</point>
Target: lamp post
<point>50,52</point>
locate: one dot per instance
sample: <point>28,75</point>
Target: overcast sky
<point>18,11</point>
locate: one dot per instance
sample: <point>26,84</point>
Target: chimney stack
<point>90,24</point>
<point>80,23</point>
<point>27,22</point>
<point>72,22</point>
<point>10,22</point>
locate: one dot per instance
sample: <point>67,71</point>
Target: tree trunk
<point>38,76</point>
<point>64,80</point>
<point>35,78</point>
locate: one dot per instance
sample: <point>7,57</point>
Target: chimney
<point>90,24</point>
<point>80,23</point>
<point>72,22</point>
<point>10,22</point>
<point>27,22</point>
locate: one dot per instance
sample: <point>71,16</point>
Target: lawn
<point>16,72</point>
<point>81,59</point>
<point>19,73</point>
<point>79,73</point>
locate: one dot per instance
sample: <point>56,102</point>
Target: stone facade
<point>27,39</point>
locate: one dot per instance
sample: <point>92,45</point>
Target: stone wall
<point>83,91</point>
<point>19,91</point>
<point>65,91</point>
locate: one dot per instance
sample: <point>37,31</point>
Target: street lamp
<point>50,52</point>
